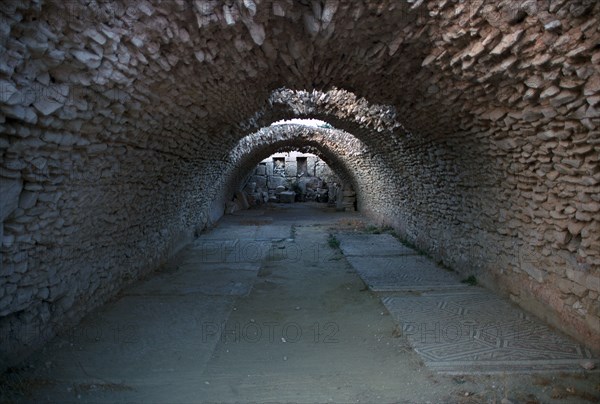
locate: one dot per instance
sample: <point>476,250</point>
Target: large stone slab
<point>403,273</point>
<point>213,251</point>
<point>287,197</point>
<point>372,245</point>
<point>275,181</point>
<point>209,279</point>
<point>475,331</point>
<point>273,232</point>
<point>131,350</point>
<point>252,229</point>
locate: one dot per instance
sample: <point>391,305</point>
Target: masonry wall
<point>299,170</point>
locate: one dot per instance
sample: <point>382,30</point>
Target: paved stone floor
<point>265,308</point>
<point>456,328</point>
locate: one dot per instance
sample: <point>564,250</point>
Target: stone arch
<point>354,161</point>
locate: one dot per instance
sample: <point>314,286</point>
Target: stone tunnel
<point>472,128</point>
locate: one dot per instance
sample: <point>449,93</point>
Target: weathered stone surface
<point>46,106</point>
<point>91,60</point>
<point>9,93</point>
<point>27,199</point>
<point>507,41</point>
<point>261,170</point>
<point>287,196</point>
<point>10,189</point>
<point>242,200</point>
<point>275,181</point>
<point>553,26</point>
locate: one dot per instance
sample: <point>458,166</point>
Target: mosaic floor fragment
<point>456,328</point>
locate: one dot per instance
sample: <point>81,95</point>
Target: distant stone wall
<point>471,127</point>
<point>304,173</point>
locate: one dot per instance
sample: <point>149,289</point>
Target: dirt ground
<point>306,330</point>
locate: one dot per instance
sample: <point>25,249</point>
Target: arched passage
<point>347,155</point>
<point>118,119</point>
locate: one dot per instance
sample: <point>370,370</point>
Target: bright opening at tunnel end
<point>313,123</point>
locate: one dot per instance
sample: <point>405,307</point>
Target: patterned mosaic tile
<point>404,273</point>
<point>476,331</point>
<point>457,329</point>
<point>372,245</point>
